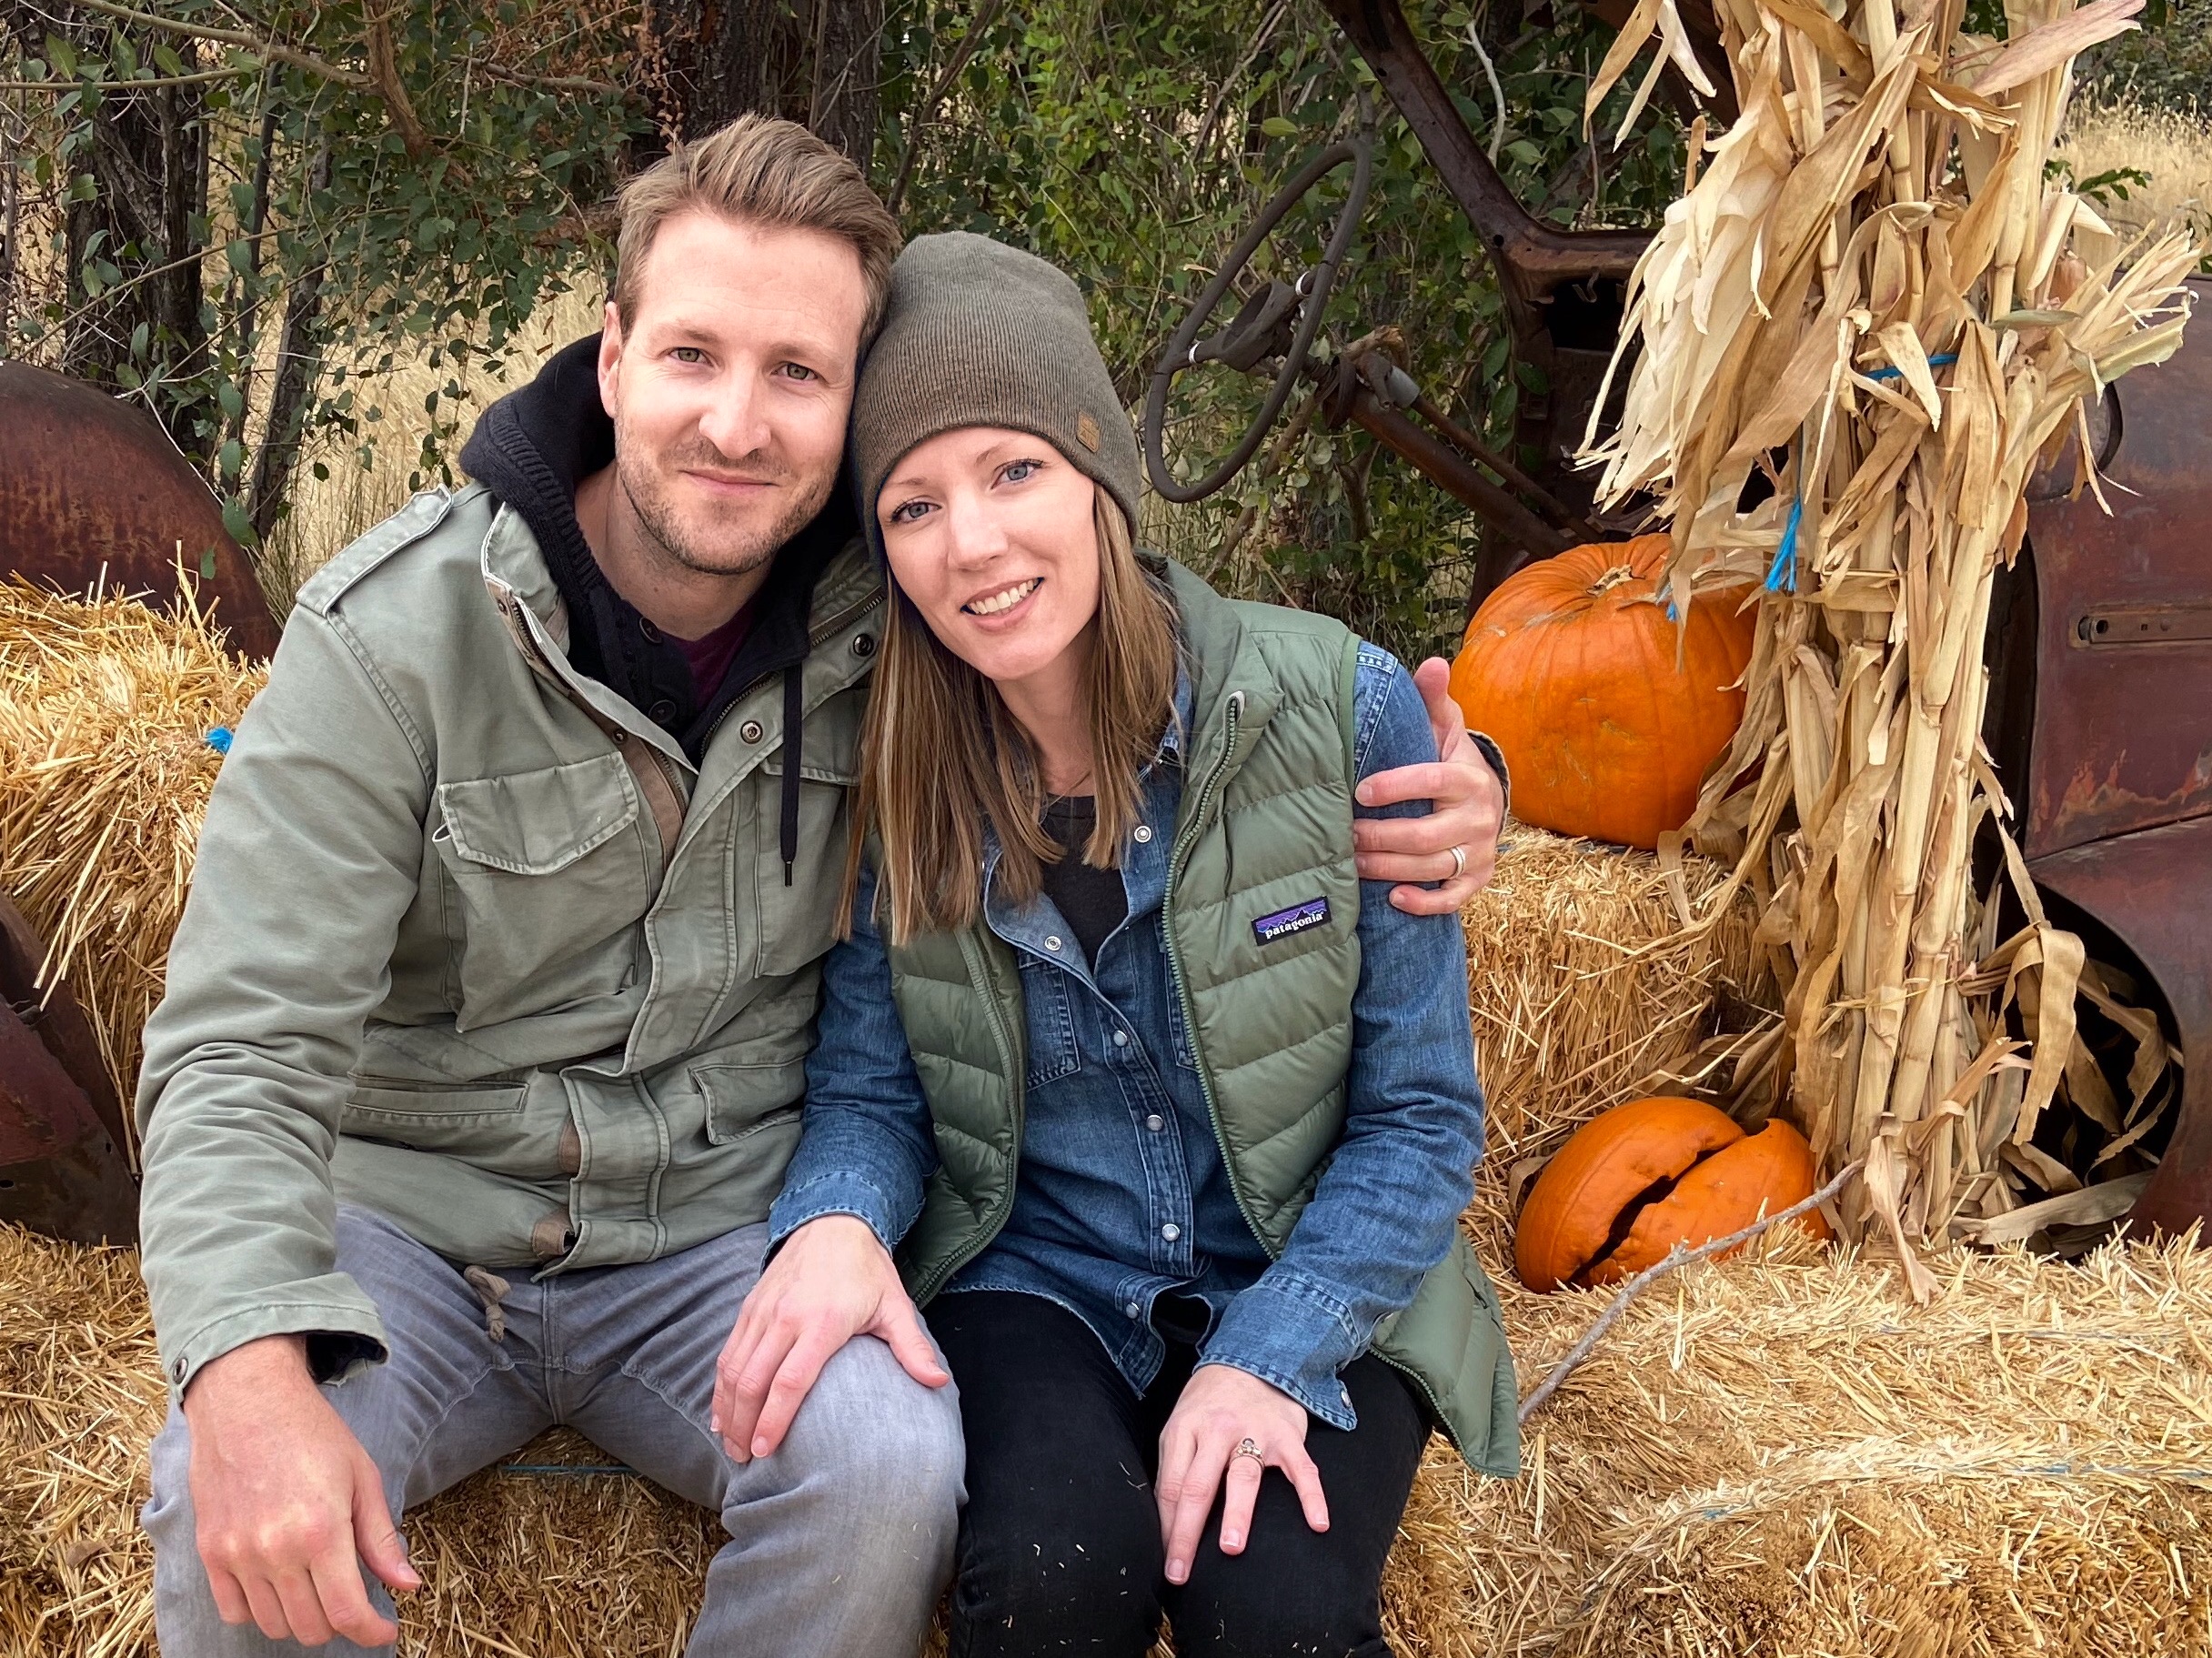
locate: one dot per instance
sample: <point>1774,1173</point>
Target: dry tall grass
<point>2173,146</point>
<point>328,512</point>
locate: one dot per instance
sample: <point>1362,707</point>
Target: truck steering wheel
<point>1259,330</point>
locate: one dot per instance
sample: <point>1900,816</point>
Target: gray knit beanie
<point>981,334</point>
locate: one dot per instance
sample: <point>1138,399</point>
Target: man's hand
<point>830,1282</point>
<point>1468,805</point>
<point>1219,1410</point>
<point>288,1505</point>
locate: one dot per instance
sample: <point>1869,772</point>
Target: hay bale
<point>1585,991</point>
<point>562,1567</point>
<point>1777,1455</point>
<point>1783,1455</point>
<point>104,770</point>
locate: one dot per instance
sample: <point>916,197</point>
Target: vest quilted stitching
<point>1264,824</point>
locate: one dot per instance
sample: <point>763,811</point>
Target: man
<point>482,1055</point>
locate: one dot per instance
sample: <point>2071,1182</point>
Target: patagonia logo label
<point>1314,912</point>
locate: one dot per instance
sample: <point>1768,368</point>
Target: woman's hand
<point>830,1282</point>
<point>1467,805</point>
<point>1219,1408</point>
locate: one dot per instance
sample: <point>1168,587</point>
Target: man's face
<point>730,386</point>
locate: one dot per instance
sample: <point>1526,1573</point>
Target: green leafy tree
<point>223,197</point>
<point>1132,145</point>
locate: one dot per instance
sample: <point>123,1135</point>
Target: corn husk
<point>1872,298</point>
<point>105,770</point>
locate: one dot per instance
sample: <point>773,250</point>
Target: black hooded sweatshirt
<point>531,448</point>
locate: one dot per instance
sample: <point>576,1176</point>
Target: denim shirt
<point>1122,1196</point>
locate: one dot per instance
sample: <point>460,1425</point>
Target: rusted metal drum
<point>62,1166</point>
<point>87,482</point>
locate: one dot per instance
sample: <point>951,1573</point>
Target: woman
<point>1168,1120</point>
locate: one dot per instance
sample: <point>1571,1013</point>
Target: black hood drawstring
<point>794,723</point>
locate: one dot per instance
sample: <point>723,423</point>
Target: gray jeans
<point>840,1542</point>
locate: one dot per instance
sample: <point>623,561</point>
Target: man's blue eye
<point>690,355</point>
<point>799,371</point>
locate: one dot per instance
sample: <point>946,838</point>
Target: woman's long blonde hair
<point>941,755</point>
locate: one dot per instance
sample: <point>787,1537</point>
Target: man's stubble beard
<point>741,552</point>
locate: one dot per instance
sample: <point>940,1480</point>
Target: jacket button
<point>1053,942</point>
<point>864,645</point>
<point>1155,1122</point>
<point>1121,1039</point>
<point>751,731</point>
<point>1171,1231</point>
<point>1144,834</point>
<point>1133,1311</point>
<point>652,634</point>
<point>662,711</point>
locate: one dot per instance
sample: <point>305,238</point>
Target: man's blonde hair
<point>758,171</point>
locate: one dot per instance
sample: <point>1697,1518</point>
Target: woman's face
<point>990,534</point>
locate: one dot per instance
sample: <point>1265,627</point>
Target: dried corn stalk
<point>1871,298</point>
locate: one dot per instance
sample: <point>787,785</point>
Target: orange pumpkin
<point>1572,666</point>
<point>1631,1184</point>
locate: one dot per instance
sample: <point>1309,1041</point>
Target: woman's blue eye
<point>906,512</point>
<point>1016,471</point>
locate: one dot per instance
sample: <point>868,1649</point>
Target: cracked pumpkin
<point>1634,1181</point>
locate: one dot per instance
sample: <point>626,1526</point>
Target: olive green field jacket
<point>472,943</point>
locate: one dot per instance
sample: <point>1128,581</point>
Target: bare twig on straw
<point>1676,1258</point>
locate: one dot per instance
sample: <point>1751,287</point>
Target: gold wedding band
<point>1459,861</point>
<point>1250,1448</point>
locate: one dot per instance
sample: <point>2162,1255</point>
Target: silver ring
<point>1459,861</point>
<point>1250,1448</point>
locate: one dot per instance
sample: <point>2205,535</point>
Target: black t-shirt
<point>1093,901</point>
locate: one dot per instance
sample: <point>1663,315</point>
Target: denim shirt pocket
<point>1051,1024</point>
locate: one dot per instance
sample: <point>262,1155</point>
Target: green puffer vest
<point>1265,823</point>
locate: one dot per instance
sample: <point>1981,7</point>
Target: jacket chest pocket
<point>550,873</point>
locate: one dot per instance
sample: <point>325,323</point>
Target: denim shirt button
<point>1144,834</point>
<point>1053,942</point>
<point>1155,1122</point>
<point>1133,1311</point>
<point>1171,1231</point>
<point>1121,1039</point>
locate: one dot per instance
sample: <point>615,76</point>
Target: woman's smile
<point>1005,601</point>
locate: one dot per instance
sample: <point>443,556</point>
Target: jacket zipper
<point>1183,845</point>
<point>991,1227</point>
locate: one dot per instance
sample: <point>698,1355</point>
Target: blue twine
<point>1782,575</point>
<point>1941,360</point>
<point>219,740</point>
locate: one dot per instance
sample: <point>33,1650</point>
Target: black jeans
<point>1059,1547</point>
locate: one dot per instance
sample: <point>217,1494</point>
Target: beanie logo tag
<point>1087,432</point>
